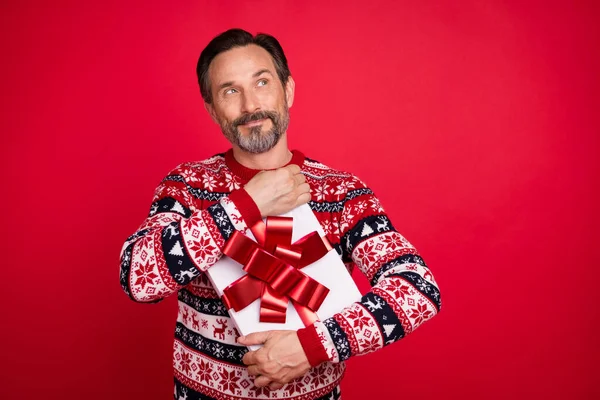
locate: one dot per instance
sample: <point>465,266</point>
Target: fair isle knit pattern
<point>194,212</point>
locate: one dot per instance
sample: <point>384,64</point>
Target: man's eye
<point>230,91</point>
<point>262,82</point>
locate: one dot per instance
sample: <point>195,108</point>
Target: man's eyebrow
<point>262,71</point>
<point>226,84</point>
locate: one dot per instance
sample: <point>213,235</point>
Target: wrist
<point>256,198</point>
<point>246,206</point>
<point>311,343</point>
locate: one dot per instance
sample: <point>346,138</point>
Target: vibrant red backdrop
<point>475,122</point>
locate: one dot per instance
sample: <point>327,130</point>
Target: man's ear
<point>290,88</point>
<point>211,111</point>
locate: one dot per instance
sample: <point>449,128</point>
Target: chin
<point>255,130</point>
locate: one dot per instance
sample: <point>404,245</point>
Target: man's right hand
<point>278,191</point>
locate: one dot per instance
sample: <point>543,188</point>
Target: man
<point>247,88</point>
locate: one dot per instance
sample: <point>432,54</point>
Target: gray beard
<point>256,141</point>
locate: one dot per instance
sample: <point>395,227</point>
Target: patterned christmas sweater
<point>195,210</point>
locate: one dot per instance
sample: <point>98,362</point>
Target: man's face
<point>249,101</point>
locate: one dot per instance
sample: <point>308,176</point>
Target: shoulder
<point>320,173</point>
<point>331,185</point>
<point>193,171</point>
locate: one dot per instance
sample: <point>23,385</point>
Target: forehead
<point>239,63</point>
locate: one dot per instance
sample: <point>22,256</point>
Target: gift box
<point>275,265</point>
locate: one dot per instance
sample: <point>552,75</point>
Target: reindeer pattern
<point>220,330</point>
<point>382,225</point>
<point>185,275</point>
<point>171,230</point>
<point>373,306</point>
<point>195,322</point>
<point>184,393</point>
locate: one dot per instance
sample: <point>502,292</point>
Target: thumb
<point>254,338</point>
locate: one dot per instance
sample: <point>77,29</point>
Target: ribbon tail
<point>273,306</point>
<point>259,230</point>
<point>307,316</point>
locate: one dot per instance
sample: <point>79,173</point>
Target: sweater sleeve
<point>403,295</point>
<point>177,241</point>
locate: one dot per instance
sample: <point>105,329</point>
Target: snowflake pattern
<point>185,362</point>
<point>204,371</point>
<point>420,314</point>
<point>230,182</point>
<point>189,174</point>
<point>327,227</point>
<point>365,254</point>
<point>229,381</point>
<point>346,221</point>
<point>202,248</point>
<point>398,287</point>
<point>145,274</point>
<point>208,181</point>
<point>221,218</point>
<point>260,391</point>
<point>172,191</point>
<point>370,344</point>
<point>393,241</point>
<point>319,380</point>
<point>375,205</point>
<point>321,192</point>
<point>192,223</point>
<point>341,189</point>
<point>423,285</point>
<point>295,386</point>
<point>218,350</point>
<point>359,318</point>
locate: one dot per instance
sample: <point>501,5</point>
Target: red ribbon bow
<point>273,271</point>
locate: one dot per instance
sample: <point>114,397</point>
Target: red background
<point>476,123</point>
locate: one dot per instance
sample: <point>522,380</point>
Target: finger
<point>299,179</point>
<point>276,386</point>
<point>262,381</point>
<point>254,370</point>
<point>303,199</point>
<point>293,169</point>
<point>254,338</point>
<point>250,358</point>
<point>303,188</point>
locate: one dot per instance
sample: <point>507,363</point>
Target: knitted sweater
<point>195,210</point>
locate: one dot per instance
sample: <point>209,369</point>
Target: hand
<point>278,191</point>
<point>279,361</point>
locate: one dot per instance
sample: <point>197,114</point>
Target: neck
<point>277,157</point>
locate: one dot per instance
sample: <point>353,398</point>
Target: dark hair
<point>238,38</point>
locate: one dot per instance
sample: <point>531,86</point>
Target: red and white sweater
<point>194,212</point>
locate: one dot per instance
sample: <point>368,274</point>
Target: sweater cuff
<point>246,206</point>
<point>311,343</point>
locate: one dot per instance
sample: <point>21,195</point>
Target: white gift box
<point>329,271</point>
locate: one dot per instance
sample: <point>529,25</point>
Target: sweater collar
<point>248,173</point>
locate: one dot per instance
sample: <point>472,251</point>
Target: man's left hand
<point>279,361</point>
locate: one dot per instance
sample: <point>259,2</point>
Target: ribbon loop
<point>273,271</point>
<point>243,293</point>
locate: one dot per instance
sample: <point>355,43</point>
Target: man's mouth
<point>255,122</point>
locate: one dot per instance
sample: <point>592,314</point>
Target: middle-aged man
<point>248,90</point>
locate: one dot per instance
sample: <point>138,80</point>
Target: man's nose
<point>250,102</point>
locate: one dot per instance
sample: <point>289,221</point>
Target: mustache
<point>244,119</point>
